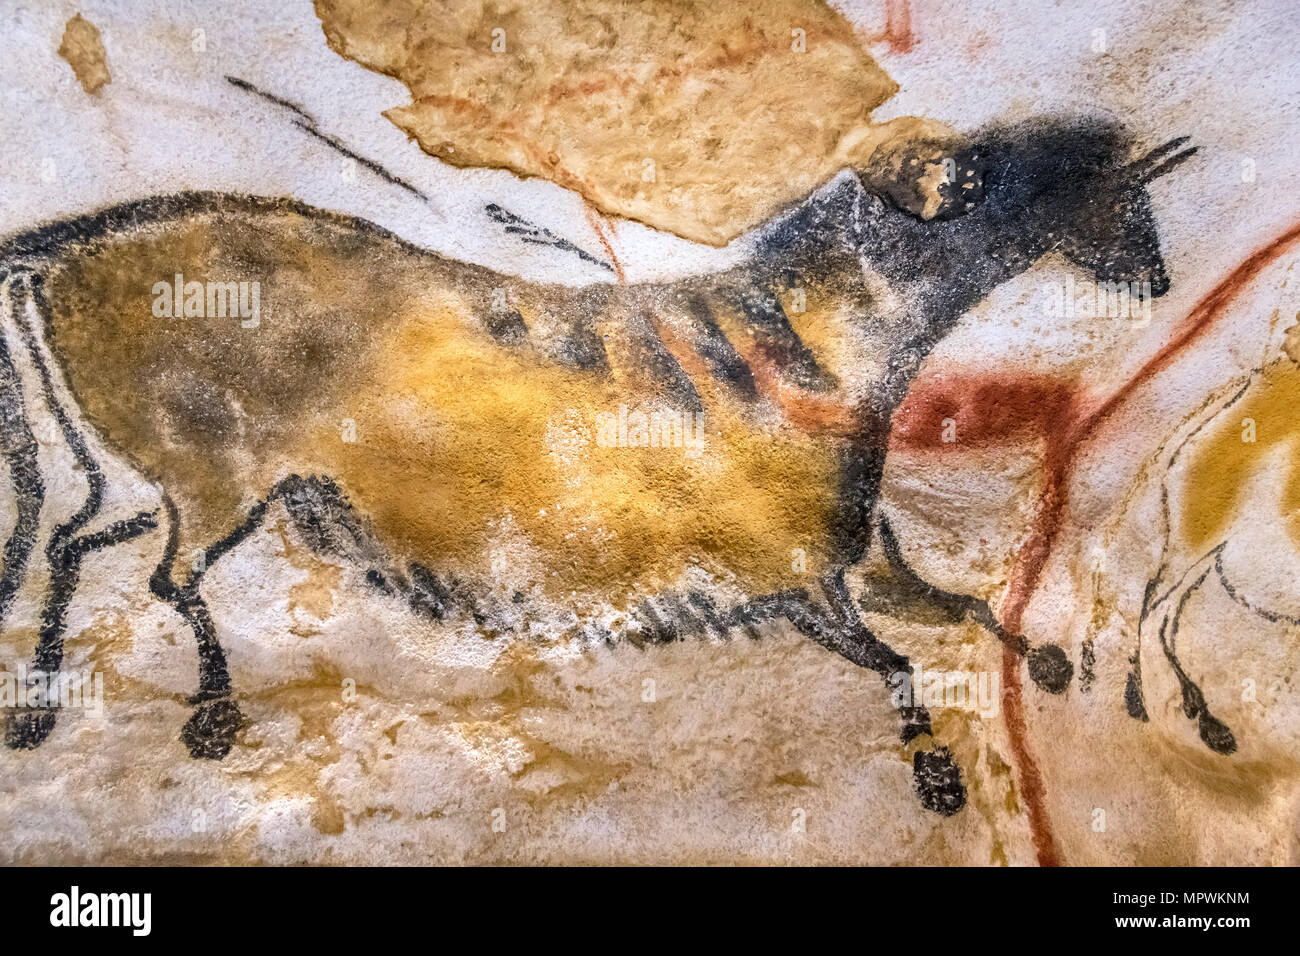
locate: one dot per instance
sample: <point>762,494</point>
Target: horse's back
<point>400,374</point>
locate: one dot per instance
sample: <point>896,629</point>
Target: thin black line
<point>45,239</point>
<point>271,97</point>
<point>370,164</point>
<point>307,123</point>
<point>539,235</point>
<point>1272,617</point>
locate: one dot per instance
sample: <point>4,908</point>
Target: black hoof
<point>938,781</point>
<point>1216,734</point>
<point>210,732</point>
<point>1050,669</point>
<point>1133,699</point>
<point>28,728</point>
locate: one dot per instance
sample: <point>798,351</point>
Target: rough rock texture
<point>456,609</point>
<point>697,118</point>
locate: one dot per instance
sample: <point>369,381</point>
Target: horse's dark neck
<point>941,269</point>
<point>950,264</point>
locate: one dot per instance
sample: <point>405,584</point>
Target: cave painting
<point>789,441</point>
<point>787,444</point>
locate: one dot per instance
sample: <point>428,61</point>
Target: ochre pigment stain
<point>83,49</point>
<point>984,409</point>
<point>659,112</point>
<point>1224,464</point>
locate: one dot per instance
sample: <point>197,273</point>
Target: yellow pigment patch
<point>83,49</point>
<point>466,442</point>
<point>1224,463</point>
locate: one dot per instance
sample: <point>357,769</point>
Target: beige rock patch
<point>83,48</point>
<point>702,119</point>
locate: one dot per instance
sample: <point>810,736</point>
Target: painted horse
<point>421,417</point>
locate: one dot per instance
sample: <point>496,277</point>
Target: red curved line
<point>1077,429</point>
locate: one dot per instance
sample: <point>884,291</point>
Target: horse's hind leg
<point>29,726</point>
<point>20,453</point>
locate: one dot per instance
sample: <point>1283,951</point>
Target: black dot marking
<point>1216,734</point>
<point>210,731</point>
<point>27,729</point>
<point>1050,669</point>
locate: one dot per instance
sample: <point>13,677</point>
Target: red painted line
<point>597,223</point>
<point>1075,429</point>
<point>898,26</point>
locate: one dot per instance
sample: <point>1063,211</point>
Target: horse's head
<point>1072,188</point>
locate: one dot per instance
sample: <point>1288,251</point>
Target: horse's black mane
<point>1034,177</point>
<point>1017,163</point>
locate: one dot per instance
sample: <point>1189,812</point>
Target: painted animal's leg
<point>838,628</point>
<point>1134,699</point>
<point>1049,667</point>
<point>1214,733</point>
<point>862,468</point>
<point>18,445</point>
<point>938,779</point>
<point>320,512</point>
<point>29,726</point>
<point>210,731</point>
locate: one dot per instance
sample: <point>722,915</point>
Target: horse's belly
<point>476,458</point>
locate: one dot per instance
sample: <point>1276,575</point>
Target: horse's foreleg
<point>937,777</point>
<point>1214,733</point>
<point>838,628</point>
<point>1049,667</point>
<point>1134,697</point>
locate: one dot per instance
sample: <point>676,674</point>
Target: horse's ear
<point>1159,162</point>
<point>927,179</point>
